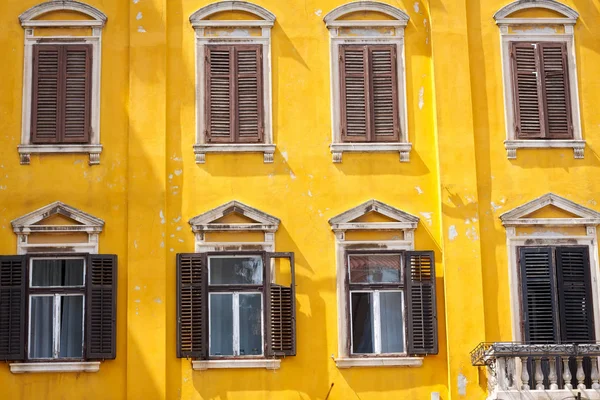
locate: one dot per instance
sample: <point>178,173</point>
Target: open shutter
<point>46,94</point>
<point>249,114</point>
<point>192,306</point>
<point>556,90</point>
<point>354,93</point>
<point>575,294</point>
<point>77,93</point>
<point>421,302</point>
<point>219,94</point>
<point>539,295</point>
<point>384,103</point>
<point>281,311</point>
<point>529,121</point>
<point>12,307</point>
<point>101,318</point>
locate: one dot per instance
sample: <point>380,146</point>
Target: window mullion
<point>56,320</point>
<point>377,322</point>
<point>236,324</point>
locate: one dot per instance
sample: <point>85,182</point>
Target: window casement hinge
<point>341,57</point>
<point>343,131</point>
<point>206,59</point>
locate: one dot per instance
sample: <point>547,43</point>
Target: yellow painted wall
<point>148,186</point>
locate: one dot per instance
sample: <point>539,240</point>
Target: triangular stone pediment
<point>57,217</point>
<point>234,216</point>
<point>374,215</point>
<point>550,210</point>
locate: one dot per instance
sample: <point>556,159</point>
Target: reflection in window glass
<point>362,323</point>
<point>250,324</point>
<point>41,327</point>
<point>247,270</point>
<point>71,322</point>
<point>375,268</point>
<point>221,324</point>
<point>392,324</point>
<point>54,272</point>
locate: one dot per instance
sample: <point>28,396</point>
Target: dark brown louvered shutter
<point>556,90</point>
<point>354,96</point>
<point>384,99</point>
<point>77,93</point>
<point>421,302</point>
<point>12,307</point>
<point>101,318</point>
<point>529,120</point>
<point>46,93</point>
<point>192,306</point>
<point>575,295</point>
<point>538,295</point>
<point>281,311</point>
<point>219,94</point>
<point>249,115</point>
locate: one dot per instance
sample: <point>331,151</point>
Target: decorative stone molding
<point>337,149</point>
<point>511,146</point>
<point>345,221</point>
<point>200,150</point>
<point>88,366</point>
<point>202,365</point>
<point>376,6</point>
<point>207,11</point>
<point>27,18</point>
<point>25,151</point>
<point>553,5</point>
<point>379,362</point>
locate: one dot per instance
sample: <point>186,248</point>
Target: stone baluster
<point>552,376</point>
<point>538,373</point>
<point>511,373</point>
<point>524,374</point>
<point>580,374</point>
<point>595,376</point>
<point>567,373</point>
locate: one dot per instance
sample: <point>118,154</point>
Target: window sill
<point>202,365</point>
<point>83,366</point>
<point>337,149</point>
<point>94,150</point>
<point>200,150</point>
<point>511,146</point>
<point>379,362</point>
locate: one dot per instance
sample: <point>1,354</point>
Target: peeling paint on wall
<point>421,98</point>
<point>318,13</point>
<point>418,189</point>
<point>452,233</point>
<point>428,217</point>
<point>141,29</point>
<point>416,7</point>
<point>462,385</point>
<point>139,16</point>
<point>162,217</point>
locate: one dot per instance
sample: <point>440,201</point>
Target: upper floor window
<point>233,64</point>
<point>368,89</point>
<point>61,81</point>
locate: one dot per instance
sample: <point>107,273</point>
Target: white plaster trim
<point>200,150</point>
<point>517,216</point>
<point>337,149</point>
<point>379,362</point>
<point>56,208</point>
<point>201,222</point>
<point>202,365</point>
<point>376,6</point>
<point>89,366</point>
<point>94,150</point>
<point>237,5</point>
<point>345,220</point>
<point>231,24</point>
<point>511,146</point>
<point>536,21</point>
<point>546,394</point>
<point>563,9</point>
<point>367,24</point>
<point>62,24</point>
<point>62,5</point>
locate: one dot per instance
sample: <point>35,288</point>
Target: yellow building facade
<point>454,168</point>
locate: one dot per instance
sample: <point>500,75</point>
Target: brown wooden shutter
<point>249,103</point>
<point>556,90</point>
<point>46,93</point>
<point>101,318</point>
<point>77,93</point>
<point>12,307</point>
<point>384,99</point>
<point>421,302</point>
<point>281,311</point>
<point>219,94</point>
<point>192,306</point>
<point>354,97</point>
<point>529,120</point>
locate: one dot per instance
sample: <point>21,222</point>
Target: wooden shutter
<point>529,121</point>
<point>192,306</point>
<point>384,99</point>
<point>539,295</point>
<point>354,96</point>
<point>575,295</point>
<point>556,90</point>
<point>46,94</point>
<point>249,115</point>
<point>421,302</point>
<point>77,93</point>
<point>219,94</point>
<point>101,310</point>
<point>12,307</point>
<point>281,311</point>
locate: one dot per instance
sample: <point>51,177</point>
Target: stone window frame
<point>367,34</point>
<point>30,23</point>
<point>567,22</point>
<point>242,36</point>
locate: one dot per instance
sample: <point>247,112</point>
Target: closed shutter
<point>77,93</point>
<point>421,302</point>
<point>354,97</point>
<point>529,122</point>
<point>384,101</point>
<point>575,296</point>
<point>46,107</point>
<point>192,306</point>
<point>281,311</point>
<point>539,295</point>
<point>249,93</point>
<point>556,90</point>
<point>12,307</point>
<point>101,318</point>
<point>219,93</point>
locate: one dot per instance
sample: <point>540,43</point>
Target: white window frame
<point>240,34</point>
<point>30,23</point>
<point>367,33</point>
<point>538,34</point>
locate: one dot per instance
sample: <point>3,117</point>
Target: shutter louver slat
<point>384,98</point>
<point>354,94</point>
<point>281,311</point>
<point>249,93</point>
<point>77,94</point>
<point>529,123</point>
<point>12,308</point>
<point>219,94</point>
<point>421,302</point>
<point>45,100</point>
<point>192,306</point>
<point>556,87</point>
<point>101,319</point>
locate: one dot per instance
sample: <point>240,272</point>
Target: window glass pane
<point>362,323</point>
<point>221,324</point>
<point>41,327</point>
<point>71,328</point>
<point>236,270</point>
<point>375,268</point>
<point>392,324</point>
<point>57,272</point>
<point>251,324</point>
